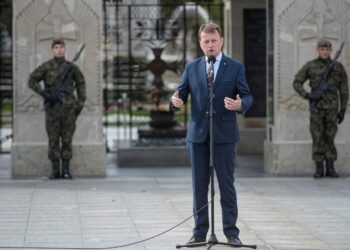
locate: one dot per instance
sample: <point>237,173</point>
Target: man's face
<point>59,50</point>
<point>211,43</point>
<point>324,52</point>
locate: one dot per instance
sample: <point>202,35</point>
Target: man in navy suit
<point>231,96</point>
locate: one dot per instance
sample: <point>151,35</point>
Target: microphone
<point>211,59</point>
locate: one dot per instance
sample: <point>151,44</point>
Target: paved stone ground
<point>131,204</point>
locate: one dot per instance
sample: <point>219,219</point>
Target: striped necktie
<point>210,75</point>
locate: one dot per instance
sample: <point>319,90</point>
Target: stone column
<point>35,24</point>
<point>250,127</point>
<point>297,26</point>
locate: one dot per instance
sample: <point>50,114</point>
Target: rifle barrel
<point>76,56</point>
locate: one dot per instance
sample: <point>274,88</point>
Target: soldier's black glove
<point>78,110</point>
<point>48,96</point>
<point>341,115</point>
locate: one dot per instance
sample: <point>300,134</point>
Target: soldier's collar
<point>327,60</point>
<point>59,60</point>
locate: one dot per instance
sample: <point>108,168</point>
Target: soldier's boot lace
<point>55,170</point>
<point>66,174</point>
<point>330,171</point>
<point>319,170</point>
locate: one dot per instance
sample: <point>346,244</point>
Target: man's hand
<point>232,104</point>
<point>341,115</point>
<point>176,100</point>
<point>78,110</point>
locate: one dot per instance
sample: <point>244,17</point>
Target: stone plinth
<point>86,161</point>
<point>171,156</point>
<point>294,158</point>
<point>173,132</point>
<point>155,147</point>
<point>251,141</point>
<point>36,23</point>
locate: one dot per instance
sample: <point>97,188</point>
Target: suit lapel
<point>203,74</point>
<point>221,70</point>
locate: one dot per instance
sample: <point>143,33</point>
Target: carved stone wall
<point>36,24</point>
<point>298,25</point>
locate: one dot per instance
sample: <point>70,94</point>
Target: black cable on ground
<point>113,247</point>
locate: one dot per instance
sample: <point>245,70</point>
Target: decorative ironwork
<point>146,47</point>
<point>157,67</point>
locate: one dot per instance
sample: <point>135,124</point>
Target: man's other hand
<point>341,115</point>
<point>78,110</point>
<point>176,100</point>
<point>232,104</point>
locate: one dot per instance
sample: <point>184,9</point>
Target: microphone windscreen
<point>211,59</point>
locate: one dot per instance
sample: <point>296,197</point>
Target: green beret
<point>57,41</point>
<point>324,43</point>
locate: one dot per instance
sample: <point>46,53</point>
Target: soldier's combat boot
<point>319,170</point>
<point>65,170</point>
<point>330,172</point>
<point>55,170</point>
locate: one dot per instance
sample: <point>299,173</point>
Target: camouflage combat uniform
<point>61,117</point>
<point>323,125</point>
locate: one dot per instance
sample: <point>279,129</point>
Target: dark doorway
<point>255,58</point>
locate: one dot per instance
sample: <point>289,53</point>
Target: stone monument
<point>297,26</point>
<point>35,24</point>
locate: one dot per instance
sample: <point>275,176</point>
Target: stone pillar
<point>35,24</point>
<point>227,27</point>
<point>297,26</point>
<point>250,127</point>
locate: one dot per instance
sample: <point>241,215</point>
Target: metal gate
<point>146,49</point>
<point>5,75</point>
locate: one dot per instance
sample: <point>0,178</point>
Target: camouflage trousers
<point>323,128</point>
<point>60,128</point>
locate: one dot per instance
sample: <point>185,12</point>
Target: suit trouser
<point>224,158</point>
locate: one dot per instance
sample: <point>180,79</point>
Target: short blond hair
<point>209,28</point>
<point>324,43</point>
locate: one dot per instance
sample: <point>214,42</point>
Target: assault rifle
<point>320,92</point>
<point>59,86</point>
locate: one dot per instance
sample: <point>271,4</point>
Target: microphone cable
<point>113,247</point>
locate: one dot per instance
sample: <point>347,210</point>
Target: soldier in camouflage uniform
<point>60,116</point>
<point>323,120</point>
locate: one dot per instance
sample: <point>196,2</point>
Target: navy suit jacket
<point>230,81</point>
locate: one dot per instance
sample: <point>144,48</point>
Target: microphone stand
<point>212,238</point>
